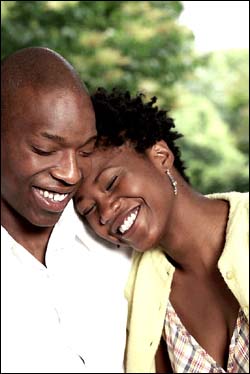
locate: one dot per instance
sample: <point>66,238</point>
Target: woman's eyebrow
<point>99,175</point>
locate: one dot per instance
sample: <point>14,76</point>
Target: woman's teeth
<point>53,196</point>
<point>128,222</point>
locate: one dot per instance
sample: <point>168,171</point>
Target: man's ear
<point>161,155</point>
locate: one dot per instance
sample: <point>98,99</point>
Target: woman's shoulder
<point>231,195</point>
<point>239,201</point>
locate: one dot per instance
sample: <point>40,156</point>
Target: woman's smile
<point>129,221</point>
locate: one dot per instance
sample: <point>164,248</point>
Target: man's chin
<point>46,221</point>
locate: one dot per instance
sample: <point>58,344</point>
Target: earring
<point>173,181</point>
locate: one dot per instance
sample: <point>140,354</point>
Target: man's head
<point>47,132</point>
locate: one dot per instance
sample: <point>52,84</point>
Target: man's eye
<point>111,183</point>
<point>88,210</point>
<point>41,152</point>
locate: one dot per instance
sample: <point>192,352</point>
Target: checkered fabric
<point>187,356</point>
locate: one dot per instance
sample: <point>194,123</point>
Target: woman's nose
<point>108,211</point>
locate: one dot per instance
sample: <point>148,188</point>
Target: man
<point>61,311</point>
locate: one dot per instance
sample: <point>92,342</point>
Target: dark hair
<point>121,118</point>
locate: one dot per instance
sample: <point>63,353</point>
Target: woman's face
<point>127,197</point>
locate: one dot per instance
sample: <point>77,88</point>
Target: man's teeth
<point>128,222</point>
<point>53,196</point>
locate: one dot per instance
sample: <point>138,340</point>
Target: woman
<point>188,286</point>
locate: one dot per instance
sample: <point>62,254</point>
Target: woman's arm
<point>162,360</point>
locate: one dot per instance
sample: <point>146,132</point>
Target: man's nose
<point>108,210</point>
<point>67,169</point>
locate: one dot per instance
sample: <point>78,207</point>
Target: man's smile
<point>51,200</point>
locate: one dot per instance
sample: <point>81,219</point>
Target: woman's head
<point>121,118</point>
<point>128,197</point>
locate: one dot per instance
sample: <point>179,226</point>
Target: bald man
<point>61,311</point>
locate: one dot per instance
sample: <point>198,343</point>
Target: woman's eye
<point>41,152</point>
<point>111,183</point>
<point>87,211</point>
<point>86,153</point>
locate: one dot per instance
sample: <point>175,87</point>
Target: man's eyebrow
<point>56,138</point>
<point>61,140</point>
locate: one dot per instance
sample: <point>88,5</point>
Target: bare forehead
<point>14,88</point>
<point>57,111</point>
<point>104,156</point>
<point>112,157</point>
<point>49,102</point>
<point>49,94</point>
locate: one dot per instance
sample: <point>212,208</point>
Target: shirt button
<point>229,275</point>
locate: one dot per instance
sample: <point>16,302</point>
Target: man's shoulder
<point>73,228</point>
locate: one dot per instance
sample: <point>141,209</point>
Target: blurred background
<point>192,55</point>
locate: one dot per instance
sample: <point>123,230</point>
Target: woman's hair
<point>121,118</point>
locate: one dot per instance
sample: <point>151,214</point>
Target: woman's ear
<point>161,155</point>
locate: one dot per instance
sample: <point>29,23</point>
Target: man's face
<point>45,145</point>
<point>126,198</point>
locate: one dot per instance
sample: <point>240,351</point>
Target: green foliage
<point>135,45</point>
<point>139,46</point>
<point>225,80</point>
<point>214,164</point>
<point>214,116</point>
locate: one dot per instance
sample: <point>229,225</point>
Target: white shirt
<point>73,309</point>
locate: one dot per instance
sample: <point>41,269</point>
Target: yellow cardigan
<point>149,285</point>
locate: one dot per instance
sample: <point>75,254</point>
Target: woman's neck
<point>195,235</point>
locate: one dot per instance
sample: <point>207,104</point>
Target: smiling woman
<point>187,245</point>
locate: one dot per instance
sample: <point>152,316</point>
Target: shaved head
<point>37,68</point>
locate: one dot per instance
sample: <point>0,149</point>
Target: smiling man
<point>50,272</point>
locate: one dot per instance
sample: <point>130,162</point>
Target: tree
<point>135,45</point>
<point>214,164</point>
<point>225,81</point>
<point>140,46</point>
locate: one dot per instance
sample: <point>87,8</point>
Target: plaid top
<point>187,356</point>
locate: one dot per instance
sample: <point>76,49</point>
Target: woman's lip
<point>121,219</point>
<point>49,204</point>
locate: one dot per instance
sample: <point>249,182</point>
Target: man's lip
<point>49,204</point>
<point>56,190</point>
<point>119,220</point>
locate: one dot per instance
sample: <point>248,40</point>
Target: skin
<point>188,226</point>
<point>108,204</point>
<point>46,139</point>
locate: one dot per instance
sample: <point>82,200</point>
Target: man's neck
<point>33,238</point>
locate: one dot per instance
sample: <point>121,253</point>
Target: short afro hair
<point>121,118</point>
